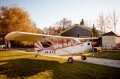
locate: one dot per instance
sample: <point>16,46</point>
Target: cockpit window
<point>46,44</point>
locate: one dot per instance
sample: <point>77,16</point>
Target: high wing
<point>87,38</point>
<point>26,36</point>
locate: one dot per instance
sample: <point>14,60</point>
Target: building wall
<point>77,30</point>
<point>117,39</point>
<point>108,42</point>
<point>117,42</point>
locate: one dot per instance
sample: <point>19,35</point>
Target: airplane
<point>53,45</point>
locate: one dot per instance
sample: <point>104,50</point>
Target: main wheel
<point>83,57</point>
<point>70,60</point>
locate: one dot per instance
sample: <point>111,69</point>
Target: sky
<point>47,12</point>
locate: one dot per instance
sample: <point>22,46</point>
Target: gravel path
<point>100,61</point>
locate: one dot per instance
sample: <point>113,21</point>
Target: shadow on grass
<point>26,67</point>
<point>14,55</point>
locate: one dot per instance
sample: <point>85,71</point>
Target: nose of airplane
<point>93,43</point>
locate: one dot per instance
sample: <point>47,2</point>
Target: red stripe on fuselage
<point>52,48</point>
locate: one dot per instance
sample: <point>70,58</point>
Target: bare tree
<point>45,30</point>
<point>64,23</point>
<point>103,23</point>
<point>58,27</point>
<point>114,19</point>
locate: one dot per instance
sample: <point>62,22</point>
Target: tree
<point>14,18</point>
<point>103,23</point>
<point>108,22</point>
<point>36,30</point>
<point>58,27</point>
<point>82,22</point>
<point>64,23</point>
<point>94,32</point>
<point>114,19</point>
<point>45,30</point>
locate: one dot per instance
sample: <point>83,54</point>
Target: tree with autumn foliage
<point>14,18</point>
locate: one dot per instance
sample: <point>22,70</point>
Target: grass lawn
<point>14,65</point>
<point>115,55</point>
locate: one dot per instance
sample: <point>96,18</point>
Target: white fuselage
<point>73,49</point>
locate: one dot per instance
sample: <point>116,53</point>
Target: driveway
<point>100,61</point>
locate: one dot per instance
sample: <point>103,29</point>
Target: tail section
<point>38,46</point>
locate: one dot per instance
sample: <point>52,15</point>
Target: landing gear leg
<point>70,60</point>
<point>83,57</point>
<point>36,55</point>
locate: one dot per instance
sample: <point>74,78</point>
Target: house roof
<point>111,33</point>
<point>81,26</point>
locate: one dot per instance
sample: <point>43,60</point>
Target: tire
<point>70,60</point>
<point>83,57</point>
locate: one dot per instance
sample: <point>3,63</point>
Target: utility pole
<point>92,45</point>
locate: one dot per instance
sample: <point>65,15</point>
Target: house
<point>82,32</point>
<point>77,31</point>
<point>110,40</point>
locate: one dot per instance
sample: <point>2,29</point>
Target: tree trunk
<point>3,42</point>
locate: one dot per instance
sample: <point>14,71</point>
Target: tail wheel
<point>70,60</point>
<point>83,57</point>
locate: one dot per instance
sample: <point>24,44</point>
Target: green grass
<point>115,55</point>
<point>15,65</point>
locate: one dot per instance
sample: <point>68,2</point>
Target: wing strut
<point>58,46</point>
